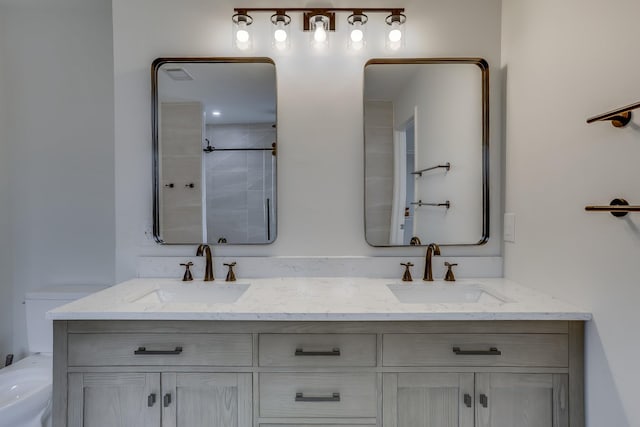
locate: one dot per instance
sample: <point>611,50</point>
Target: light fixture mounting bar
<point>330,13</point>
<point>330,9</point>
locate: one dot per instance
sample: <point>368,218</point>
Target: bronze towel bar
<point>617,208</point>
<point>619,118</point>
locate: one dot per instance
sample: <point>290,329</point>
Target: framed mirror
<point>426,143</point>
<point>214,150</point>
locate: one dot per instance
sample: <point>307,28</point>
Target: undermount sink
<point>193,293</point>
<point>445,294</point>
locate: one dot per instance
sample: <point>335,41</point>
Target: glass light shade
<point>242,37</point>
<point>281,37</point>
<point>280,30</point>
<point>395,35</point>
<point>357,35</point>
<point>319,31</point>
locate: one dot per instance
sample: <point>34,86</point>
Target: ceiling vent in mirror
<point>178,74</point>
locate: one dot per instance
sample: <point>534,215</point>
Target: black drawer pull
<point>144,351</point>
<point>151,400</point>
<point>167,400</point>
<point>301,352</point>
<point>467,400</point>
<point>493,351</point>
<point>335,397</point>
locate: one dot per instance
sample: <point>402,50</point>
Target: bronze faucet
<point>432,249</point>
<point>205,250</point>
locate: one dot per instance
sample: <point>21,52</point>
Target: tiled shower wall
<point>378,117</point>
<point>239,183</point>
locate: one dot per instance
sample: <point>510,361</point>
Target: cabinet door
<point>428,400</point>
<point>206,400</point>
<point>114,400</point>
<point>523,400</point>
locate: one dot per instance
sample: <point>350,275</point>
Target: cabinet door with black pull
<point>523,400</point>
<point>114,400</point>
<point>428,399</point>
<point>207,399</point>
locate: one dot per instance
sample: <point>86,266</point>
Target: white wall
<point>57,137</point>
<point>6,290</point>
<point>320,163</point>
<point>566,61</point>
<point>447,130</point>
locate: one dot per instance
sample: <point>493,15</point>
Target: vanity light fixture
<point>319,23</point>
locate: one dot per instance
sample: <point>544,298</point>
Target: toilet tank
<point>38,302</point>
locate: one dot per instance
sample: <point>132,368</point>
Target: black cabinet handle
<point>484,400</point>
<point>144,351</point>
<point>301,352</point>
<point>467,400</point>
<point>493,351</point>
<point>335,397</point>
<point>167,400</point>
<point>151,400</point>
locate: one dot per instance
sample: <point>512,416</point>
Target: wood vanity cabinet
<point>320,374</point>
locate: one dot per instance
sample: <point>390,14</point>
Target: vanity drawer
<point>318,395</point>
<point>317,350</point>
<point>160,349</point>
<point>540,350</point>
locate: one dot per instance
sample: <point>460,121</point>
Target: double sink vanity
<point>326,351</point>
<point>322,352</point>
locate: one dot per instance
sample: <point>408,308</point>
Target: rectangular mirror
<point>426,128</point>
<point>214,150</point>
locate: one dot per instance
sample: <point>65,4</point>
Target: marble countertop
<point>312,299</point>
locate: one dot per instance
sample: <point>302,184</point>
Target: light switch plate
<point>510,227</point>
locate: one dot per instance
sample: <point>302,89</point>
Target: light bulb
<point>320,35</point>
<point>395,35</point>
<point>357,35</point>
<point>280,35</point>
<point>242,35</point>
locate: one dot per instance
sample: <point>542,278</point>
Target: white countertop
<point>315,299</point>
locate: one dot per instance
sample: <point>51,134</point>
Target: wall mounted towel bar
<point>617,208</point>
<point>446,166</point>
<point>446,204</point>
<point>619,118</point>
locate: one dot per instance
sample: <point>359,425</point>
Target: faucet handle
<point>187,273</point>
<point>231,277</point>
<point>449,277</point>
<point>406,277</point>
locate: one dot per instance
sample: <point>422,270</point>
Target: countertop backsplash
<point>371,267</point>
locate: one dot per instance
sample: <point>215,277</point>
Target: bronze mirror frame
<point>155,67</point>
<point>484,67</point>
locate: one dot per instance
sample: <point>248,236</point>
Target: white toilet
<point>25,386</point>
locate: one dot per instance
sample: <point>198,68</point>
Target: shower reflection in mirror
<point>215,128</point>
